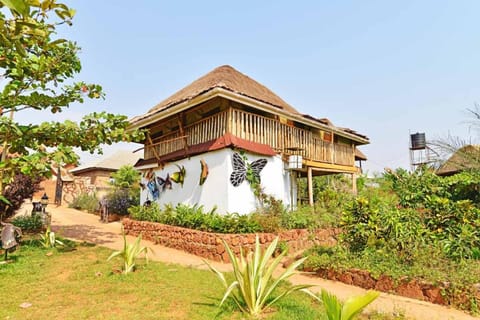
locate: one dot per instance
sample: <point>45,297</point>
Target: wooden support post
<point>149,139</point>
<point>182,132</point>
<point>292,205</point>
<point>310,186</point>
<point>332,149</point>
<point>354,183</point>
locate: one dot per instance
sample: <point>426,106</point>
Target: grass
<point>81,284</point>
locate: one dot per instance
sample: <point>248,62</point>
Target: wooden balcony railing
<point>207,129</point>
<point>252,127</point>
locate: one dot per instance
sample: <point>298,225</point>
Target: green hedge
<point>195,218</point>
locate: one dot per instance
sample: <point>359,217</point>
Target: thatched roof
<point>228,79</point>
<point>467,157</point>
<point>225,77</point>
<point>359,155</point>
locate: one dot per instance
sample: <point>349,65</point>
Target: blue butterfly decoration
<point>153,189</point>
<point>241,166</point>
<point>165,183</point>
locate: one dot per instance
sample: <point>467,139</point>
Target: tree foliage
<point>21,188</point>
<point>441,212</point>
<point>126,177</point>
<point>37,70</point>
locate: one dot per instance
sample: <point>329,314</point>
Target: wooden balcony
<point>282,137</point>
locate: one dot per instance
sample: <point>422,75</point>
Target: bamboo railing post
<point>229,120</point>
<point>182,132</point>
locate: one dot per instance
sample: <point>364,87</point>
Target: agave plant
<point>49,239</point>
<point>130,253</point>
<point>253,287</point>
<point>348,310</point>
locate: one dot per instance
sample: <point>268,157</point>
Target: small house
<point>94,177</point>
<point>216,141</point>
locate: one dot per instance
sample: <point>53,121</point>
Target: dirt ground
<point>79,225</point>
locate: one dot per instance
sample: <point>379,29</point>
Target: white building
<point>208,140</point>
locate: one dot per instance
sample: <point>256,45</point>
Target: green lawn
<point>80,284</point>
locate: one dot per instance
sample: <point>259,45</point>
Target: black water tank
<point>418,141</point>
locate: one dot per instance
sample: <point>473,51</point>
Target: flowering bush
<point>120,200</point>
<point>22,187</point>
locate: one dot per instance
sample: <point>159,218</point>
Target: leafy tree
<point>36,72</point>
<point>126,177</point>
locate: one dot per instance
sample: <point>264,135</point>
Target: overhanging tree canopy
<point>36,72</point>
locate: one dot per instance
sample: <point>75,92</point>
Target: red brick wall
<point>209,245</point>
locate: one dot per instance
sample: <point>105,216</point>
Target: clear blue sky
<point>383,68</point>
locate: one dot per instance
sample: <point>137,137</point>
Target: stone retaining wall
<point>209,245</point>
<point>439,293</point>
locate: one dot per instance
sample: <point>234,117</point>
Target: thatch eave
<point>148,119</point>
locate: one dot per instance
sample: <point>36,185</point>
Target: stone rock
<point>345,277</point>
<point>384,284</point>
<point>410,289</point>
<point>220,248</point>
<point>225,257</point>
<point>434,295</point>
<point>362,278</point>
<point>331,274</point>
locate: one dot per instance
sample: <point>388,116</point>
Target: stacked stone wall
<point>209,245</point>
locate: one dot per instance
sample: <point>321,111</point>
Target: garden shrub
<point>28,223</point>
<point>22,187</point>
<point>85,201</point>
<point>125,191</point>
<point>268,222</point>
<point>414,188</point>
<point>149,213</point>
<point>120,200</point>
<point>194,217</point>
<point>438,211</point>
<point>413,225</point>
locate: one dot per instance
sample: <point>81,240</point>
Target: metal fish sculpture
<point>179,176</point>
<point>203,172</point>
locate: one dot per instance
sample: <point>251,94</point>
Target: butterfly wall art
<point>165,183</point>
<point>241,167</point>
<point>203,172</point>
<point>153,188</point>
<point>179,176</point>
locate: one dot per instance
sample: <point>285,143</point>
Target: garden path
<point>82,226</point>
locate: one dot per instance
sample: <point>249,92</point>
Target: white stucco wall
<point>217,191</point>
